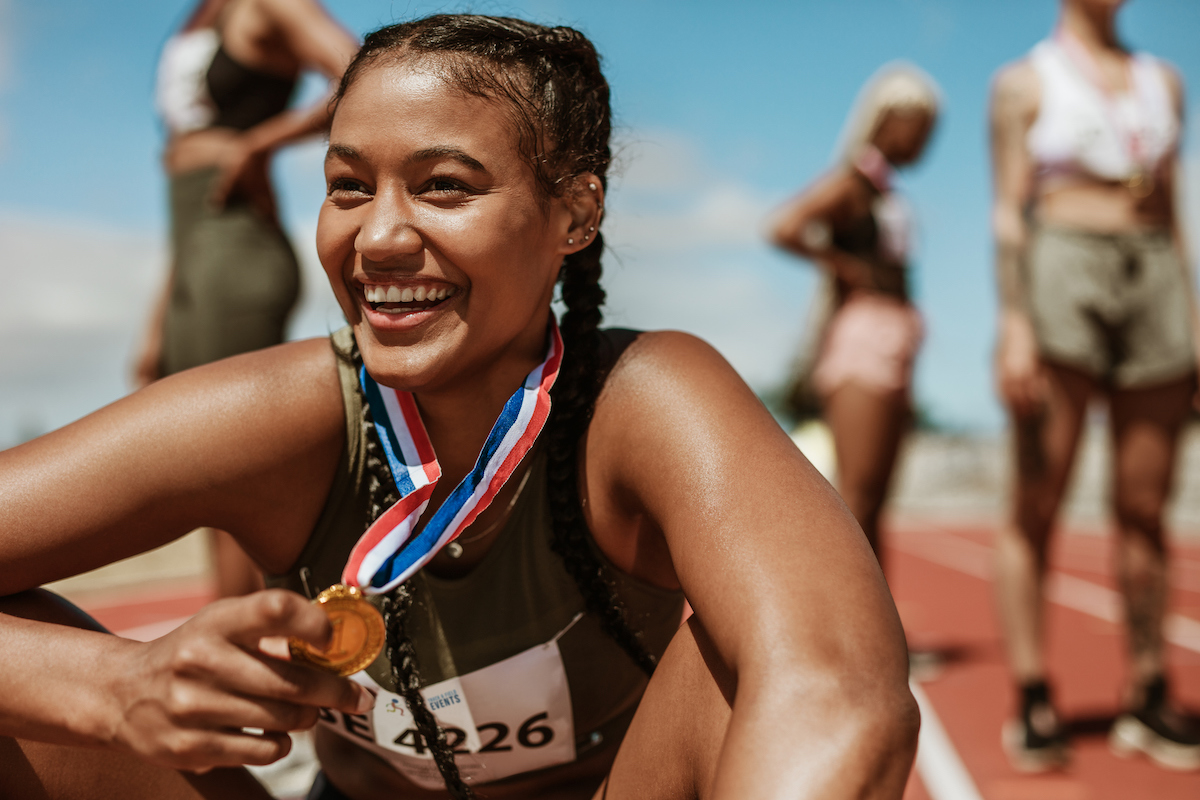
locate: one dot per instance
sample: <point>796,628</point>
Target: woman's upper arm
<point>1013,109</point>
<point>249,445</point>
<point>818,204</point>
<point>316,38</point>
<point>771,560</point>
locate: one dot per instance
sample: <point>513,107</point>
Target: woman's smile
<point>405,304</point>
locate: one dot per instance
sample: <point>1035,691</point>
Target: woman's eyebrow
<point>342,151</point>
<point>345,151</point>
<point>448,151</point>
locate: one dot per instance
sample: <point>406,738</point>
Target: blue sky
<point>722,113</point>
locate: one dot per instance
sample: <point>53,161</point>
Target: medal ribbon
<point>388,553</point>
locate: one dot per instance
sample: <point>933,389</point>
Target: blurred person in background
<point>864,329</point>
<point>225,81</point>
<point>1096,301</point>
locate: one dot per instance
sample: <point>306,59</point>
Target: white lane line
<point>154,630</point>
<point>941,770</point>
<point>1090,598</point>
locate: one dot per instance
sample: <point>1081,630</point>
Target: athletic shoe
<point>1156,729</point>
<point>1035,741</point>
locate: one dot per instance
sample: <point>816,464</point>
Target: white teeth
<point>408,294</point>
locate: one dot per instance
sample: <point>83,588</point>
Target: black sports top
<point>243,96</point>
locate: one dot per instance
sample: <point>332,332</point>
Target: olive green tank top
<point>518,597</point>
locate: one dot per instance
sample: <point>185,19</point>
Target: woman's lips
<point>404,306</point>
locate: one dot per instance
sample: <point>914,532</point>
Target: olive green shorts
<point>1112,305</point>
<point>235,278</point>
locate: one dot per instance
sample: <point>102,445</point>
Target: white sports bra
<point>1080,130</point>
<point>181,89</point>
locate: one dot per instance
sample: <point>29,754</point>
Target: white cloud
<point>687,252</point>
<point>75,297</point>
<point>74,276</point>
<point>665,197</point>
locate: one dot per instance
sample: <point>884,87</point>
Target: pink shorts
<point>872,340</point>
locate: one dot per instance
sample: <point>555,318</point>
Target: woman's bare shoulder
<point>666,381</point>
<point>659,358</point>
<point>1016,89</point>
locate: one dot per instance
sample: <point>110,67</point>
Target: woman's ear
<point>584,203</point>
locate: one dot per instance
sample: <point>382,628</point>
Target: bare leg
<point>675,740</point>
<point>667,754</point>
<point>236,573</point>
<point>40,771</point>
<point>1045,450</point>
<point>867,426</point>
<point>1146,425</point>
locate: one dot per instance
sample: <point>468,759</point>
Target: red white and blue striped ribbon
<point>388,553</point>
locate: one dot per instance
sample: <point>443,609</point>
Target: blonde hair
<point>897,85</point>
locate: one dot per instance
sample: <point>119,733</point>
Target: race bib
<point>511,717</point>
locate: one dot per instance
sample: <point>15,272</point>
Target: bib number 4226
<point>493,736</point>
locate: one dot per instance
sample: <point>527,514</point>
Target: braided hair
<point>551,83</point>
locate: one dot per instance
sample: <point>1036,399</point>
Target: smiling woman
<point>527,505</point>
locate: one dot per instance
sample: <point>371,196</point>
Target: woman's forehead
<point>403,97</point>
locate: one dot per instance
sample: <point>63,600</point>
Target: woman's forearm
<point>288,127</point>
<point>56,682</point>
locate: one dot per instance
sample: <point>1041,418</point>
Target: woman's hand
<point>243,173</point>
<point>183,701</point>
<point>1019,376</point>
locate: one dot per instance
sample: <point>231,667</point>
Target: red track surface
<point>939,576</point>
<point>950,610</point>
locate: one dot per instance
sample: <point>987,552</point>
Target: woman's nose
<point>388,232</point>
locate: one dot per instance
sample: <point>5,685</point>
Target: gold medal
<point>358,633</point>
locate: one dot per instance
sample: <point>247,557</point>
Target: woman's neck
<point>1094,28</point>
<point>459,418</point>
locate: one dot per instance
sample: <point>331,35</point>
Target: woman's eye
<point>447,186</point>
<point>345,188</point>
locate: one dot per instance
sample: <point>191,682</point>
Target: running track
<point>940,576</point>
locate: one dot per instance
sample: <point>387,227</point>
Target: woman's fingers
<point>245,670</point>
<point>272,612</point>
<point>186,697</point>
<point>203,706</point>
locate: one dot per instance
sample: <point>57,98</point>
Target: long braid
<point>575,392</point>
<point>401,652</point>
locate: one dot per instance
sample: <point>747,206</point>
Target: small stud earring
<point>570,241</point>
<point>592,228</point>
<point>592,186</point>
<point>585,238</point>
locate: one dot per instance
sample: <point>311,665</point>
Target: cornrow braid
<point>401,652</point>
<point>579,382</point>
